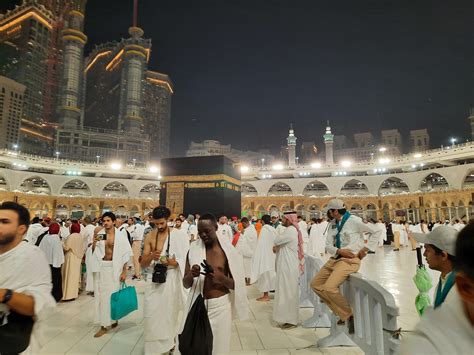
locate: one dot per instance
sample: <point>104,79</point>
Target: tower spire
<point>135,13</point>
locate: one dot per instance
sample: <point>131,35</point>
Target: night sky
<point>244,70</point>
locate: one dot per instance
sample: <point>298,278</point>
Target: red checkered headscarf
<point>293,218</point>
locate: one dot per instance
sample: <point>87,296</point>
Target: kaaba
<point>201,184</point>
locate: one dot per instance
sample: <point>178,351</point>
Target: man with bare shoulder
<point>113,266</point>
<point>164,256</point>
<point>223,282</point>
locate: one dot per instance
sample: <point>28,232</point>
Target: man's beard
<point>7,239</point>
<point>162,229</point>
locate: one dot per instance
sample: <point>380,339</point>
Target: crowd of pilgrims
<point>202,255</point>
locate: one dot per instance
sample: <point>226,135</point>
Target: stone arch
<point>36,185</point>
<point>434,182</point>
<point>150,192</point>
<point>316,188</point>
<point>75,187</point>
<point>357,209</point>
<point>273,208</point>
<point>260,209</point>
<point>121,211</point>
<point>393,185</point>
<point>248,189</point>
<point>371,211</point>
<point>285,207</point>
<point>77,211</point>
<point>468,182</point>
<point>115,189</point>
<point>280,189</point>
<point>62,211</point>
<point>354,187</point>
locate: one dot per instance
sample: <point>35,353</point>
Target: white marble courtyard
<point>70,330</point>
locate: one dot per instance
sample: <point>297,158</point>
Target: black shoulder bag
<point>16,333</point>
<point>159,271</point>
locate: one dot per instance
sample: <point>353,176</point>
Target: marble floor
<point>69,330</point>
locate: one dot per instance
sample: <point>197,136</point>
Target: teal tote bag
<point>123,302</point>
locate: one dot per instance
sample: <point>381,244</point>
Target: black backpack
<point>196,338</point>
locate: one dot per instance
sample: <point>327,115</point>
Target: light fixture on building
<point>346,163</point>
<point>384,160</point>
<point>153,169</point>
<point>382,149</point>
<point>277,167</point>
<point>315,165</point>
<point>116,166</point>
<point>417,155</point>
<point>244,169</point>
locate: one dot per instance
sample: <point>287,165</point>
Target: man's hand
<point>276,248</point>
<point>346,253</point>
<point>156,254</point>
<point>196,270</point>
<point>362,253</point>
<point>123,276</point>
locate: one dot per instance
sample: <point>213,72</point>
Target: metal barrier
<point>375,314</point>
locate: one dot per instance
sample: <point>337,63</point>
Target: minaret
<point>136,52</point>
<point>471,121</point>
<point>291,140</point>
<point>329,142</point>
<point>74,39</point>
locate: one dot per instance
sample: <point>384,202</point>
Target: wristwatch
<point>8,296</point>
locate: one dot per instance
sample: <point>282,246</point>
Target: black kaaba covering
<point>200,185</point>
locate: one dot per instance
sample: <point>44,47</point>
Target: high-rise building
<point>340,142</point>
<point>364,140</point>
<point>25,38</point>
<point>71,79</point>
<point>157,113</point>
<point>11,106</point>
<point>420,140</point>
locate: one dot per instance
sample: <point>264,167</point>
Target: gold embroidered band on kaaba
<point>218,178</point>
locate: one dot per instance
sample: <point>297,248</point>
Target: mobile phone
<point>102,236</point>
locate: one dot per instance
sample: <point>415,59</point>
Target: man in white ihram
<point>345,242</point>
<point>263,263</point>
<point>224,229</point>
<point>164,302</point>
<point>113,267</point>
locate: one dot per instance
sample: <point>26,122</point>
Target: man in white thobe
<point>317,237</point>
<point>288,247</point>
<point>246,246</point>
<point>168,247</point>
<point>224,229</point>
<point>25,276</point>
<point>263,264</point>
<point>35,230</point>
<point>383,232</point>
<point>113,267</point>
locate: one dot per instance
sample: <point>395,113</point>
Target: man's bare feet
<point>263,298</point>
<point>101,332</point>
<point>114,325</point>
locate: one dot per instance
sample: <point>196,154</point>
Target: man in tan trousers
<point>345,242</point>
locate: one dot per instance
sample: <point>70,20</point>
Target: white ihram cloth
<point>287,300</point>
<point>53,250</point>
<point>263,265</point>
<point>109,279</point>
<point>162,324</point>
<point>34,231</point>
<point>304,233</point>
<point>218,308</point>
<point>444,330</point>
<point>92,263</point>
<point>403,235</point>
<point>246,246</point>
<point>317,237</point>
<point>25,269</point>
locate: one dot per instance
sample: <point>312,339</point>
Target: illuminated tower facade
<point>329,143</point>
<point>291,142</point>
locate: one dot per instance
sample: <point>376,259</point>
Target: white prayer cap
<point>443,237</point>
<point>335,204</point>
<point>275,214</point>
<point>137,215</point>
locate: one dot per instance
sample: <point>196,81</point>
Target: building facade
<point>11,106</point>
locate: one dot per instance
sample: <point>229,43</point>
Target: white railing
<point>375,314</point>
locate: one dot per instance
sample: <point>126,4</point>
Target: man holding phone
<point>113,266</point>
<point>345,242</point>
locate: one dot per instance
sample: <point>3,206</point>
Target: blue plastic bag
<point>123,302</point>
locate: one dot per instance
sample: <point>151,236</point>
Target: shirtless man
<point>113,266</point>
<point>162,324</point>
<point>223,272</point>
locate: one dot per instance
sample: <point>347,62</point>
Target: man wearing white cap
<point>440,253</point>
<point>345,242</point>
<point>275,218</point>
<point>449,329</point>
